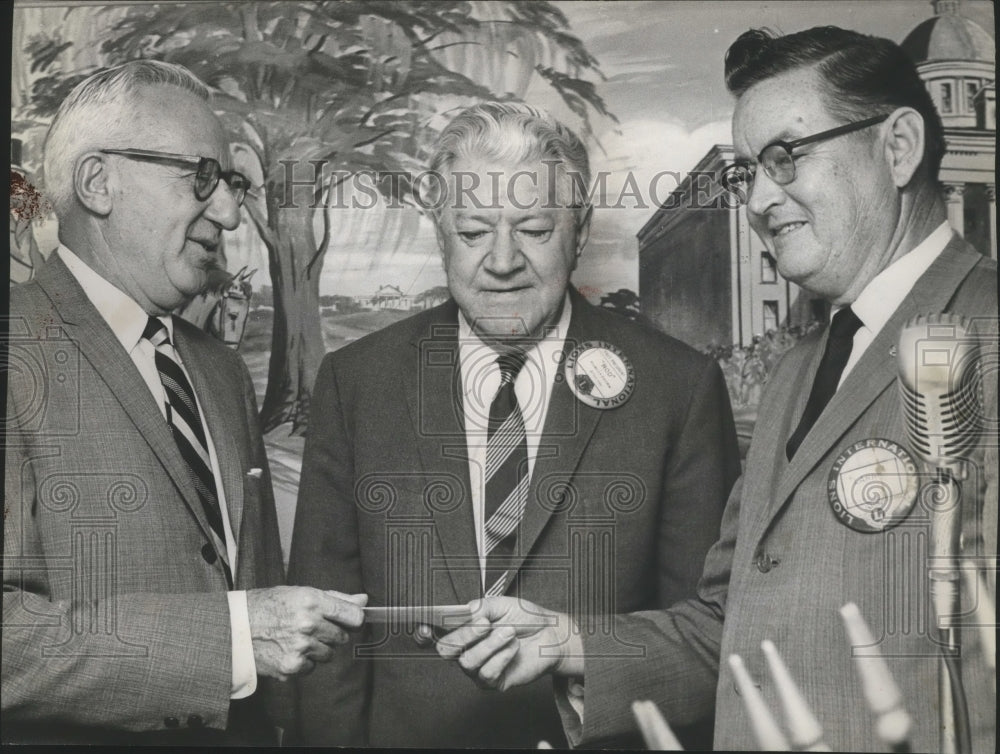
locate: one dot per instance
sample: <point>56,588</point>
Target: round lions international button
<point>599,374</point>
<point>873,485</point>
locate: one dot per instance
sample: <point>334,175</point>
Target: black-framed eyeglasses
<point>778,160</point>
<point>208,171</point>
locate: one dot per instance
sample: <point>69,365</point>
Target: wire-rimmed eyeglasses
<point>778,160</point>
<point>208,171</point>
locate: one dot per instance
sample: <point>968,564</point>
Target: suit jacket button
<point>208,553</point>
<point>195,721</point>
<point>763,562</point>
<point>171,722</point>
<point>736,688</point>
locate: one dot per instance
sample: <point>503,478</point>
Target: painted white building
<point>705,276</point>
<point>387,297</point>
<point>956,58</point>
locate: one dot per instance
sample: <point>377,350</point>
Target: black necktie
<point>189,434</point>
<point>838,350</point>
<point>506,476</point>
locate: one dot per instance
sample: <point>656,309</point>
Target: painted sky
<point>663,63</point>
<point>663,66</point>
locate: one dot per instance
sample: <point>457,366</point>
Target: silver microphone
<point>940,387</point>
<point>939,384</point>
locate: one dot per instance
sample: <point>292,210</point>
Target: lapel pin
<point>255,473</point>
<point>893,350</point>
<point>873,485</point>
<point>599,374</point>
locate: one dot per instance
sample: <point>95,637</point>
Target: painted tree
<point>623,301</point>
<point>320,92</point>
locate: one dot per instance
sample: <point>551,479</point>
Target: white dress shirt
<point>480,382</point>
<point>127,321</point>
<point>881,298</point>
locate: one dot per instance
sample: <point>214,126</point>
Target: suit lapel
<point>569,425</point>
<point>431,382</point>
<point>214,387</point>
<point>114,366</point>
<point>877,369</point>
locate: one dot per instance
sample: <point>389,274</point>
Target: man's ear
<point>91,183</point>
<point>904,144</point>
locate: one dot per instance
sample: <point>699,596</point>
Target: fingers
<point>328,633</point>
<point>452,645</point>
<point>344,609</point>
<point>304,667</point>
<point>319,652</point>
<point>358,599</point>
<point>294,628</point>
<point>491,608</point>
<point>491,674</point>
<point>423,635</point>
<point>476,656</point>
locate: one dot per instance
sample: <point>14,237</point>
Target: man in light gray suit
<point>838,148</point>
<point>139,521</point>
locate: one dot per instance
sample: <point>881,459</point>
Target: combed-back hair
<point>861,75</point>
<point>95,115</point>
<point>512,133</point>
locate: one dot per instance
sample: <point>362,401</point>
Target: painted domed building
<point>705,276</point>
<point>956,58</point>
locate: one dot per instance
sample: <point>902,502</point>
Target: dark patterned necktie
<point>186,426</point>
<point>506,476</point>
<point>839,343</point>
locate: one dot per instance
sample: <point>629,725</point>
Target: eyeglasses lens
<point>239,184</point>
<point>207,178</point>
<point>778,163</point>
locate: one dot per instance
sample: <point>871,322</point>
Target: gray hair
<point>95,115</point>
<point>512,133</point>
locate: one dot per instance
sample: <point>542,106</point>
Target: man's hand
<point>510,642</point>
<point>294,627</point>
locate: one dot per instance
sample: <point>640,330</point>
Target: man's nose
<point>764,193</point>
<point>222,207</point>
<point>505,257</point>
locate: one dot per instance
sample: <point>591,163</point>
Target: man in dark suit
<point>838,147</point>
<point>139,523</point>
<point>515,440</point>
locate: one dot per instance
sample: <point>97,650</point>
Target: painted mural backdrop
<point>331,105</point>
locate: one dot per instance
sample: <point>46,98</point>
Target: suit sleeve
<point>333,699</point>
<point>702,465</point>
<point>679,666</point>
<point>267,567</point>
<point>127,661</point>
<point>268,570</point>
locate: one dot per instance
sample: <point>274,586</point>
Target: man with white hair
<point>139,523</point>
<point>515,440</point>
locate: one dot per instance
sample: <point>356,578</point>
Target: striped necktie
<point>186,426</point>
<point>506,476</point>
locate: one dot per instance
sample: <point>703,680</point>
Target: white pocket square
<point>255,473</point>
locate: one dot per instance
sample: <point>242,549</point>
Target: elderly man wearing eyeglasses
<point>838,147</point>
<point>142,570</point>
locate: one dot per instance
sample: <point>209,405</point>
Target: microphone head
<point>939,384</point>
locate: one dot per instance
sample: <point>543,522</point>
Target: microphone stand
<point>940,383</point>
<point>944,493</point>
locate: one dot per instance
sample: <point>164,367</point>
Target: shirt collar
<point>882,296</point>
<point>123,314</point>
<point>469,341</point>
